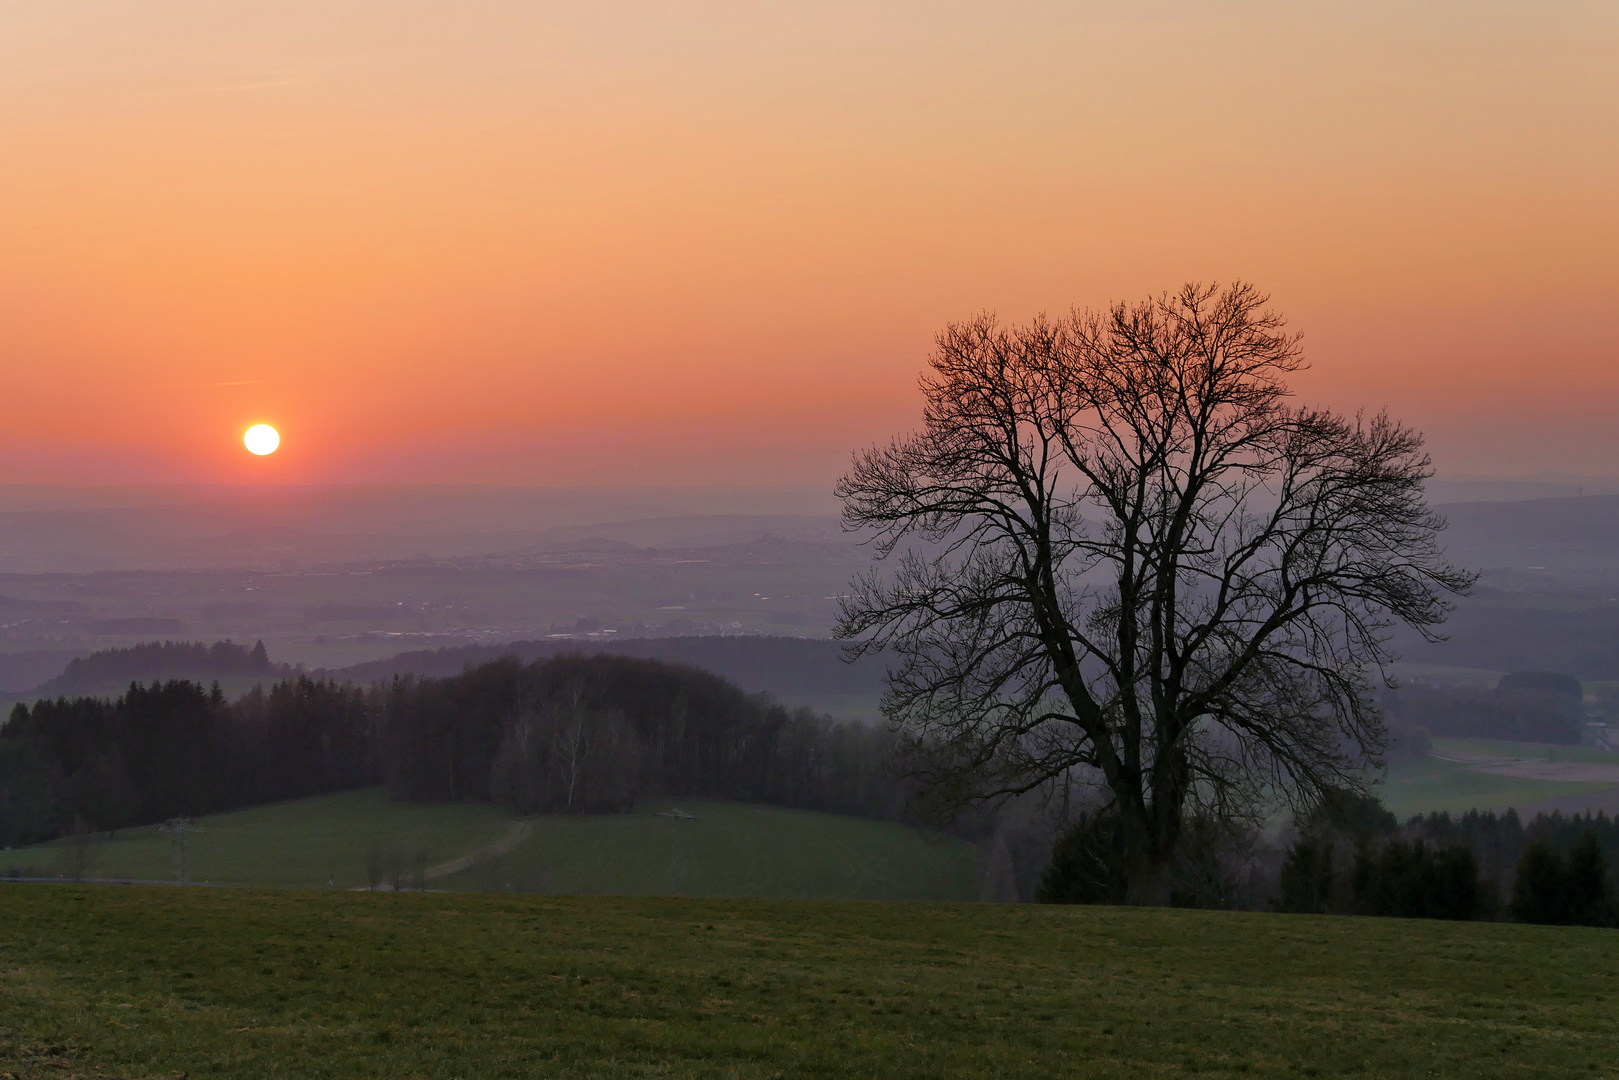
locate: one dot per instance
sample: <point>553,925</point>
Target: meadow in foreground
<point>145,982</point>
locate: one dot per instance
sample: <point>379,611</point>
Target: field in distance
<point>1490,774</point>
<point>719,849</point>
<point>147,981</point>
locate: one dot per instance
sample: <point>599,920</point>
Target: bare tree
<point>77,852</point>
<point>1142,565</point>
<point>180,830</point>
<point>418,874</point>
<point>571,739</point>
<point>384,863</point>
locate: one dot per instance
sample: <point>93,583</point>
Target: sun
<point>261,439</point>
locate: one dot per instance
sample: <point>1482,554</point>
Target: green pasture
<point>725,849</point>
<point>731,849</point>
<point>304,842</point>
<point>139,982</point>
<point>1429,785</point>
<point>1432,784</point>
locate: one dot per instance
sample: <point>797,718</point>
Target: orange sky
<point>710,243</point>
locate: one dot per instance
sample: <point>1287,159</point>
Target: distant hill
<point>1565,535</point>
<point>21,672</point>
<point>775,665</point>
<point>1498,631</point>
<point>1463,488</point>
<point>139,624</point>
<point>162,660</point>
<point>13,605</point>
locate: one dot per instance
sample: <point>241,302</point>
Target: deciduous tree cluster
<point>566,734</point>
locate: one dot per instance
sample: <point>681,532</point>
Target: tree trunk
<point>1149,882</point>
<point>1152,835</point>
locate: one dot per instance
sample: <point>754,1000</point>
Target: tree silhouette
<point>1141,565</point>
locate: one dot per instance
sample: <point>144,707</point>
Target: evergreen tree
<point>1540,892</point>
<point>1088,864</point>
<point>1589,901</point>
<point>1413,881</point>
<point>102,794</point>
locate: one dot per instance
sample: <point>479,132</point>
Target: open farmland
<point>144,982</point>
<point>1429,785</point>
<point>1490,774</point>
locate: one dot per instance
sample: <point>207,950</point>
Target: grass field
<point>1428,785</point>
<point>1501,748</point>
<point>100,981</point>
<point>305,842</point>
<point>730,849</point>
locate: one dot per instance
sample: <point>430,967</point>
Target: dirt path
<point>515,834</point>
<point>1463,757</point>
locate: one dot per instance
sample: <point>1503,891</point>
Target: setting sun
<point>261,439</point>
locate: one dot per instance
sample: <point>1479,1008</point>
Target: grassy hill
<point>812,672</point>
<point>139,982</point>
<point>731,849</point>
<point>726,849</point>
<point>304,842</point>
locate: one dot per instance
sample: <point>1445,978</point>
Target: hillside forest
<point>564,734</point>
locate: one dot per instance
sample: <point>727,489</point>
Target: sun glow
<point>261,439</point>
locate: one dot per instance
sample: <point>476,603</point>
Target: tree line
<point>754,663</point>
<point>1349,856</point>
<point>163,660</point>
<point>566,734</point>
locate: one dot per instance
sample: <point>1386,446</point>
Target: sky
<point>663,243</point>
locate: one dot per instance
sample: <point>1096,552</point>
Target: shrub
<point>1087,864</point>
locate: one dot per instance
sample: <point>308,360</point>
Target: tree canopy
<point>1120,554</point>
